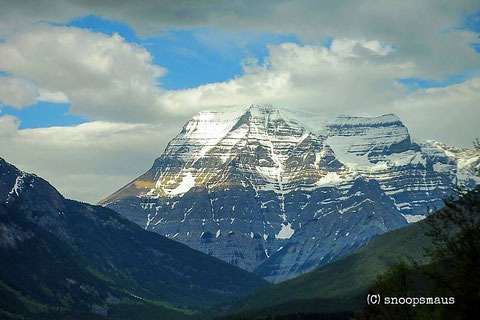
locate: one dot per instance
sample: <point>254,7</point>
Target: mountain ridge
<point>241,183</point>
<point>60,257</point>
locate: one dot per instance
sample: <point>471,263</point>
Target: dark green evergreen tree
<point>455,267</point>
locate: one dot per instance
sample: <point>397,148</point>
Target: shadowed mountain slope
<point>60,257</point>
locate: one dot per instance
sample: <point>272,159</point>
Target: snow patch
<point>329,179</point>
<point>17,187</point>
<point>286,232</point>
<point>188,182</point>
<point>414,218</point>
<point>342,146</point>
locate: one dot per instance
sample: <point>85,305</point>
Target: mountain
<point>65,259</point>
<point>282,191</point>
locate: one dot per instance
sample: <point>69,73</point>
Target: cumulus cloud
<point>103,77</point>
<point>88,161</point>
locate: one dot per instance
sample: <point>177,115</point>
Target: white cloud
<point>17,93</point>
<point>449,114</point>
<point>91,160</point>
<point>88,161</point>
<point>103,77</point>
<point>52,96</point>
<point>352,77</point>
<point>8,126</point>
<point>20,93</point>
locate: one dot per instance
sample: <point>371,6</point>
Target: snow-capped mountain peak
<point>240,183</point>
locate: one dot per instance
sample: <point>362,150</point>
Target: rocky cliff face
<point>246,184</point>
